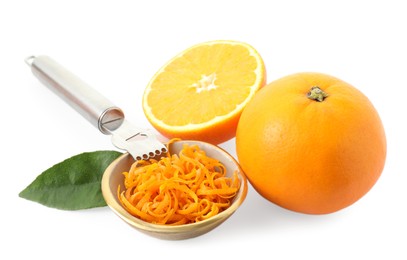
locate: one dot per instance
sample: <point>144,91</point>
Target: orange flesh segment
<point>202,84</point>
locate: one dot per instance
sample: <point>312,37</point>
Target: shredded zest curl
<point>178,189</point>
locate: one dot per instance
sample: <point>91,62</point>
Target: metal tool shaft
<point>93,106</point>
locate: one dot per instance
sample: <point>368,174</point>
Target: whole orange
<point>311,143</point>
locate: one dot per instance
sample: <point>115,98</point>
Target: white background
<point>116,46</point>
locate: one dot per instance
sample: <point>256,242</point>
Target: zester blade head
<point>142,144</point>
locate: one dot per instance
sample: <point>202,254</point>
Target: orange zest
<point>178,189</point>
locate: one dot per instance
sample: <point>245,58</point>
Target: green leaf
<point>72,184</point>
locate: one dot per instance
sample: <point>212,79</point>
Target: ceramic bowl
<point>113,177</point>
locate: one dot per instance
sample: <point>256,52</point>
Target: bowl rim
<point>118,209</point>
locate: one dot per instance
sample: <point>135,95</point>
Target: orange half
<point>200,93</point>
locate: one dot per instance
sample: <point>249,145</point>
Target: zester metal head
<point>142,144</point>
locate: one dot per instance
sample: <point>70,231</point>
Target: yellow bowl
<point>113,177</point>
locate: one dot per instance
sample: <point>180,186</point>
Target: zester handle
<point>94,107</point>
